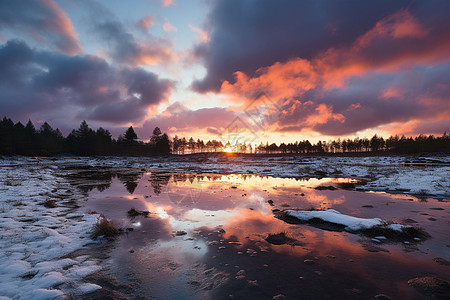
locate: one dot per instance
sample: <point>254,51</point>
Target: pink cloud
<point>202,34</point>
<point>167,2</point>
<point>44,21</point>
<point>169,27</point>
<point>146,22</point>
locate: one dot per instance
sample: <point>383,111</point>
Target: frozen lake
<point>206,232</point>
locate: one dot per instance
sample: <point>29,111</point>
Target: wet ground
<point>205,237</point>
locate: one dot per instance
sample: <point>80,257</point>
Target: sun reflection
<point>162,213</point>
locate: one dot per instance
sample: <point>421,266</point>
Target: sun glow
<point>228,149</point>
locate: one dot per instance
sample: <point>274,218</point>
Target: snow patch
<point>34,238</point>
<point>350,223</point>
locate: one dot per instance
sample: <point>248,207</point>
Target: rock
<point>436,208</point>
<point>347,185</point>
<point>279,297</point>
<point>432,219</point>
<point>253,282</point>
<point>372,248</point>
<point>430,284</point>
<point>325,187</point>
<point>367,206</point>
<point>281,239</point>
<point>270,202</point>
<point>180,232</point>
<point>409,221</point>
<point>441,261</point>
<point>382,297</point>
<point>308,261</point>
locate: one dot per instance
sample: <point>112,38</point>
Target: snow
<point>351,223</point>
<point>45,294</point>
<point>333,216</point>
<point>88,288</point>
<point>34,239</point>
<point>428,175</point>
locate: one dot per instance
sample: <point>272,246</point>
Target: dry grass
<point>105,228</point>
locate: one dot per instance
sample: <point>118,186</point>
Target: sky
<point>233,70</point>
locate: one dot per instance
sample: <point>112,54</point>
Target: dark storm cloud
<point>125,48</point>
<point>391,68</point>
<point>42,83</point>
<point>247,35</point>
<point>146,86</point>
<point>44,21</point>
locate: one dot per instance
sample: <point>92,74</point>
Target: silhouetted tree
<point>50,141</point>
<point>130,136</point>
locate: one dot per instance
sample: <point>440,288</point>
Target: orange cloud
<point>323,114</point>
<point>398,25</point>
<point>281,80</point>
<point>302,87</point>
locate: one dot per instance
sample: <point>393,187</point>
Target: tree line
<point>27,140</point>
<point>16,138</point>
<point>394,144</point>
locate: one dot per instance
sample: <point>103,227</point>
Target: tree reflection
<point>130,180</point>
<point>158,180</point>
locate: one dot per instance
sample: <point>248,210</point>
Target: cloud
<point>145,23</point>
<point>362,102</point>
<point>55,86</point>
<point>202,34</point>
<point>245,36</point>
<point>167,2</point>
<point>125,48</point>
<point>396,70</point>
<point>43,20</point>
<point>169,27</point>
<point>178,119</point>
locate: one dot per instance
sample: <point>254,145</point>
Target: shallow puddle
<point>205,238</point>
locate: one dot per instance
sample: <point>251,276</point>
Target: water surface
<point>226,219</point>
